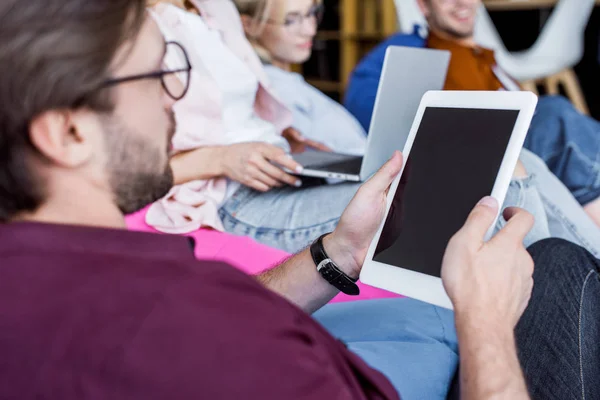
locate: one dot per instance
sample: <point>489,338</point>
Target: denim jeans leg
<point>523,193</point>
<point>569,144</point>
<point>566,218</point>
<point>412,343</point>
<point>558,337</point>
<point>287,218</point>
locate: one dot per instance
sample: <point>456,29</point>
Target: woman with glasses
<point>231,148</point>
<point>282,33</point>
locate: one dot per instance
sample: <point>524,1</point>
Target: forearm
<point>202,163</point>
<point>298,280</point>
<point>489,366</point>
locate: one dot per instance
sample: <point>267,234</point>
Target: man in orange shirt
<point>451,27</point>
<point>568,141</point>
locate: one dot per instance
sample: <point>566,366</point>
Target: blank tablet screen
<point>453,163</point>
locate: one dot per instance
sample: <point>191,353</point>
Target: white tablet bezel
<point>422,286</point>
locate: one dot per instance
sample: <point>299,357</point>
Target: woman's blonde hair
<point>258,11</point>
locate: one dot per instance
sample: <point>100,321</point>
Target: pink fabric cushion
<point>244,253</point>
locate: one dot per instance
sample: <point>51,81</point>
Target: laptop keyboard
<point>331,162</point>
<point>320,158</point>
<point>350,166</point>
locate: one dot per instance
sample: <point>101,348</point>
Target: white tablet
<point>462,146</point>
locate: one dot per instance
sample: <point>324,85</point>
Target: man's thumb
<point>481,218</point>
<point>383,178</point>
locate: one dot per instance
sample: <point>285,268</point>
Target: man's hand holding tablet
<point>489,283</point>
<point>492,278</point>
<point>362,218</point>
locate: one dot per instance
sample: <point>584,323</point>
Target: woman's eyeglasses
<point>294,21</point>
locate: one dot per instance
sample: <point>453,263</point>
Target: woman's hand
<point>258,165</point>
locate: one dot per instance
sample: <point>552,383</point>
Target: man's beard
<point>134,176</point>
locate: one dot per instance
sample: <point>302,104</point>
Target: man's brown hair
<point>54,54</point>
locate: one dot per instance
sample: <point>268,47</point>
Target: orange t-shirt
<point>471,68</point>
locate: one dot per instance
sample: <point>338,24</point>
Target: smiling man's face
<point>455,18</point>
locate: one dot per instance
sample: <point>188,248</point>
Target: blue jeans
<point>564,216</point>
<point>286,218</point>
<point>412,343</point>
<point>415,346</point>
<point>569,143</point>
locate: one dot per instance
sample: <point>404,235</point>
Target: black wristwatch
<point>330,272</point>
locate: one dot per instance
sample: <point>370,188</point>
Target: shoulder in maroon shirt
<point>109,314</point>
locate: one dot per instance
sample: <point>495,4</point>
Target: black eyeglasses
<point>175,88</point>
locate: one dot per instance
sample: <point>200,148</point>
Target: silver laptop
<point>408,72</point>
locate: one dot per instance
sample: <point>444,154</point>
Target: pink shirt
<point>195,204</point>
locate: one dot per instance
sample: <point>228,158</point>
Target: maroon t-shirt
<point>91,313</point>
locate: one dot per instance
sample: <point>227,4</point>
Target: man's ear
<point>63,137</point>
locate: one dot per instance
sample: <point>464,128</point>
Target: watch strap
<point>330,271</point>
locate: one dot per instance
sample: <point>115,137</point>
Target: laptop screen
<point>453,163</point>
